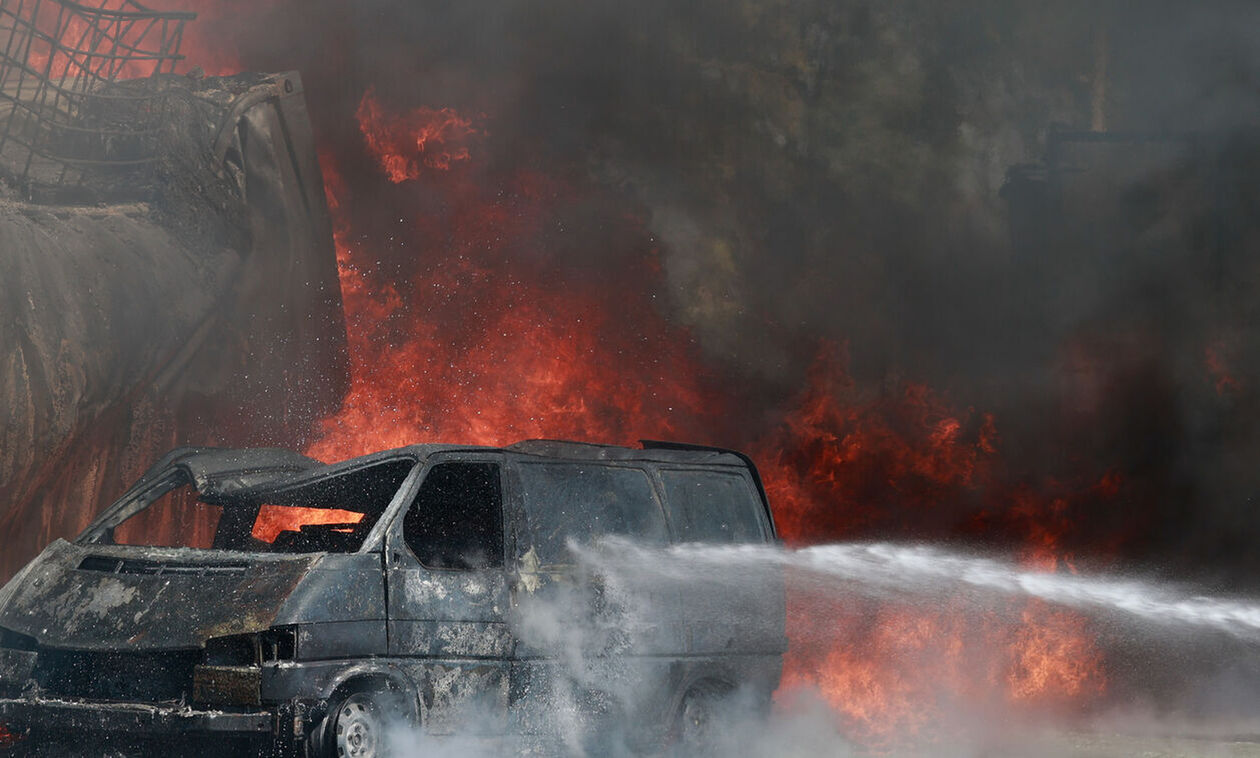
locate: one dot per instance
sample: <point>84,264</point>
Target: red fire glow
<point>484,345</point>
<point>65,46</point>
<point>1218,368</point>
<point>406,144</point>
<point>892,672</point>
<point>484,333</point>
<point>838,447</point>
<point>845,465</point>
<point>203,43</point>
<point>488,347</point>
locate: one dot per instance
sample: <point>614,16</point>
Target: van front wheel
<point>355,727</point>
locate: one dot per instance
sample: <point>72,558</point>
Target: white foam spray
<point>587,647</point>
<point>919,571</point>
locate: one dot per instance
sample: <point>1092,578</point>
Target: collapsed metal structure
<point>168,259</point>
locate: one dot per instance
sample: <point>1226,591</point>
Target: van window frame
<point>740,472</point>
<point>518,518</point>
<point>394,538</point>
<point>173,476</point>
<point>372,542</point>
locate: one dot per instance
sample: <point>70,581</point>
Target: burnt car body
<point>260,594</point>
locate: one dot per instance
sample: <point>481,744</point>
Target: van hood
<point>97,597</point>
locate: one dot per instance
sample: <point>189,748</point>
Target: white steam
<point>593,623</point>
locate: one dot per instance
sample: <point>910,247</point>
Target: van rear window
<point>585,501</point>
<point>710,506</point>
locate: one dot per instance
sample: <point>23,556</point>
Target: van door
<point>448,594</point>
<point>722,507</point>
<point>603,645</point>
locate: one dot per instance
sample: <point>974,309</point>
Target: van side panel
<point>742,612</point>
<point>339,588</point>
<point>448,608</point>
<point>460,696</point>
<point>581,501</point>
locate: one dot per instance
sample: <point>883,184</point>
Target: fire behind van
<point>259,596</point>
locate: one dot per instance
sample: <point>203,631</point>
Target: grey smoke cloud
<point>824,170</point>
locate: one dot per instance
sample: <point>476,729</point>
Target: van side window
<point>456,521</point>
<point>707,506</point>
<point>584,501</point>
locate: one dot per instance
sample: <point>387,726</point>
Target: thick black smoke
<point>835,170</point>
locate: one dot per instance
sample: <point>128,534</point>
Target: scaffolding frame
<point>61,67</point>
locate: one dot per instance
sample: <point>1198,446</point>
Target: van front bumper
<point>24,715</point>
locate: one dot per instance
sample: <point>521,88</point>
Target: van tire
<point>357,725</point>
<point>696,725</point>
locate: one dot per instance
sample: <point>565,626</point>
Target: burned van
<point>260,596</point>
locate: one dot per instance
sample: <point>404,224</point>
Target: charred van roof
<point>212,463</point>
<point>220,470</point>
<point>651,451</point>
<point>303,469</point>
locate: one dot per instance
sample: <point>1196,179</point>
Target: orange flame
<point>1053,657</point>
<point>67,55</point>
<point>894,672</point>
<point>274,519</point>
<point>839,457</point>
<point>1218,368</point>
<point>480,343</point>
<point>489,348</point>
<point>422,138</point>
<point>845,465</point>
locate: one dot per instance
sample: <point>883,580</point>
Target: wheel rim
<point>696,718</point>
<point>358,730</point>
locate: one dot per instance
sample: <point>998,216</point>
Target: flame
<point>487,346</point>
<point>895,672</point>
<point>1053,657</point>
<point>838,458</point>
<point>274,519</point>
<point>423,138</point>
<point>481,336</point>
<point>48,55</point>
<point>8,739</point>
<point>479,343</point>
<point>1214,356</point>
<point>847,465</point>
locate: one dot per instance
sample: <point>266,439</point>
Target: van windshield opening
<point>329,514</point>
